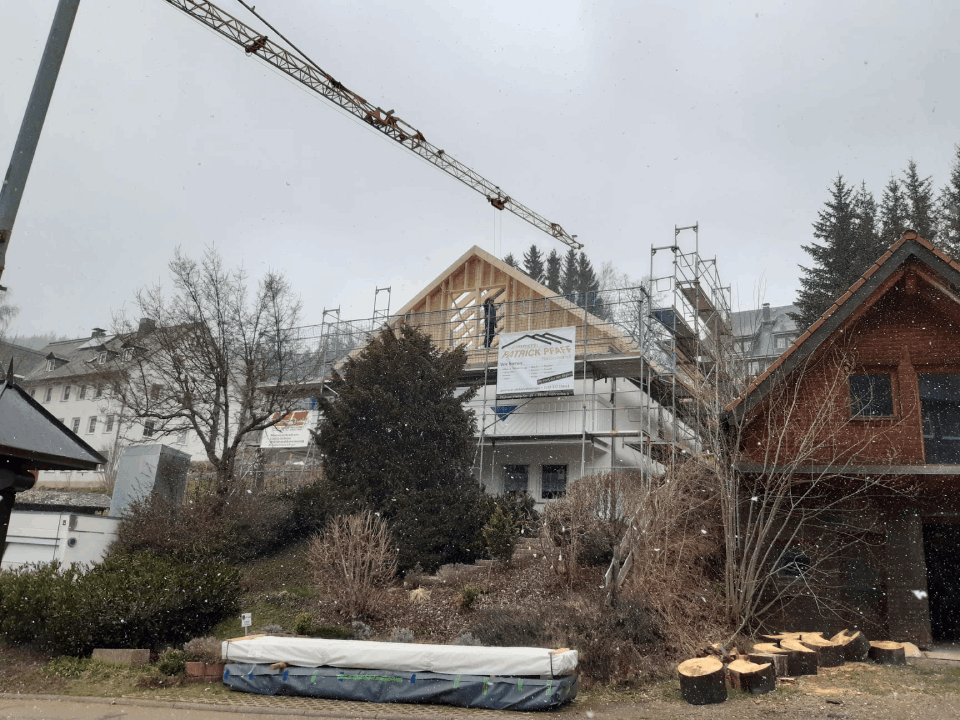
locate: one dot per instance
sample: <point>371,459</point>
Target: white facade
<point>72,386</point>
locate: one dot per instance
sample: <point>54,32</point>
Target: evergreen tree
<point>552,273</point>
<point>921,208</point>
<point>533,263</point>
<point>588,286</point>
<point>893,213</point>
<point>835,265</point>
<point>397,440</point>
<point>948,234</point>
<point>870,245</point>
<point>568,278</point>
<point>510,260</point>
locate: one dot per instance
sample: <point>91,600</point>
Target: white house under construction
<point>634,392</point>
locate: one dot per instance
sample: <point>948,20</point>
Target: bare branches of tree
<point>212,357</point>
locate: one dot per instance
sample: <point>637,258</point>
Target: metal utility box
<point>146,469</point>
<point>42,537</point>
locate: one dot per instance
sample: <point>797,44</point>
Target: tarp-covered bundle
<point>485,677</point>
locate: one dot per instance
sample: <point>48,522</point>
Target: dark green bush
<point>140,600</point>
<point>512,516</point>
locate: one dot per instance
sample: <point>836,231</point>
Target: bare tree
<point>798,489</point>
<point>212,358</point>
<point>8,312</point>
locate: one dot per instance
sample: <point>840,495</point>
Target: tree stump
<point>702,681</point>
<point>829,654</point>
<point>801,660</point>
<point>855,646</point>
<point>750,677</point>
<point>778,660</point>
<point>888,653</point>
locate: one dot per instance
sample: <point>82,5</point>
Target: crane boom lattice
<point>386,122</point>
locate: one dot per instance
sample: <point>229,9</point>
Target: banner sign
<point>536,364</point>
<point>293,431</point>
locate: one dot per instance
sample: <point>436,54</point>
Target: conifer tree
<point>834,263</point>
<point>588,286</point>
<point>893,213</point>
<point>870,245</point>
<point>921,208</point>
<point>510,260</point>
<point>397,440</point>
<point>948,234</point>
<point>552,273</point>
<point>568,277</point>
<point>533,263</point>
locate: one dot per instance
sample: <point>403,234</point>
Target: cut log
<point>855,646</point>
<point>801,660</point>
<point>777,637</point>
<point>888,653</point>
<point>778,660</point>
<point>829,654</point>
<point>702,681</point>
<point>750,677</point>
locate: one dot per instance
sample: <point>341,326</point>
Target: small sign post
<point>246,620</point>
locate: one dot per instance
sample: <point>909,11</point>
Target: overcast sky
<point>617,120</point>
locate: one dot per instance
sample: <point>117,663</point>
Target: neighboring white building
<point>74,384</point>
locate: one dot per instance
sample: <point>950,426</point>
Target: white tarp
<point>401,657</point>
<point>536,364</point>
<point>293,430</point>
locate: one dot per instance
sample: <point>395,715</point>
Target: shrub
<point>203,649</point>
<point>402,635</point>
<point>361,631</point>
<point>233,529</point>
<point>333,632</point>
<point>303,624</point>
<point>468,596</point>
<point>500,535</point>
<point>355,558</point>
<point>128,601</point>
<point>172,662</point>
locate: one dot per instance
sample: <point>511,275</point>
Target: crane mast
<point>324,84</point>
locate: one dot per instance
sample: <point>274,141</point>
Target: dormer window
<point>51,364</point>
<point>127,354</point>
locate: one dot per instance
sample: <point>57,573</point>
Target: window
<point>75,425</point>
<point>940,411</point>
<point>871,395</point>
<point>154,392</point>
<point>82,394</point>
<point>102,358</point>
<point>108,423</point>
<point>127,355</point>
<point>148,427</point>
<point>48,395</point>
<point>98,392</point>
<point>515,478</point>
<point>66,393</point>
<point>92,425</point>
<point>791,563</point>
<point>782,342</point>
<point>754,368</point>
<point>51,364</point>
<point>182,438</point>
<point>553,482</point>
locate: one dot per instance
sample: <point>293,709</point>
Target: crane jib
<point>312,77</point>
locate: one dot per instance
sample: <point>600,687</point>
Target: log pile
<point>786,655</point>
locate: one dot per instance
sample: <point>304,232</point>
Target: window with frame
<point>98,392</point>
<point>48,395</point>
<point>108,423</point>
<point>871,395</point>
<point>51,364</point>
<point>515,478</point>
<point>82,393</point>
<point>92,425</point>
<point>102,358</point>
<point>65,395</point>
<point>553,481</point>
<point>791,563</point>
<point>754,368</point>
<point>127,355</point>
<point>782,342</point>
<point>148,428</point>
<point>940,413</point>
<point>75,425</point>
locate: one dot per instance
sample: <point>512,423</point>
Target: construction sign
<point>293,430</point>
<point>536,364</point>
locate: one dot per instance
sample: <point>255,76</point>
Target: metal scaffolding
<point>690,325</point>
